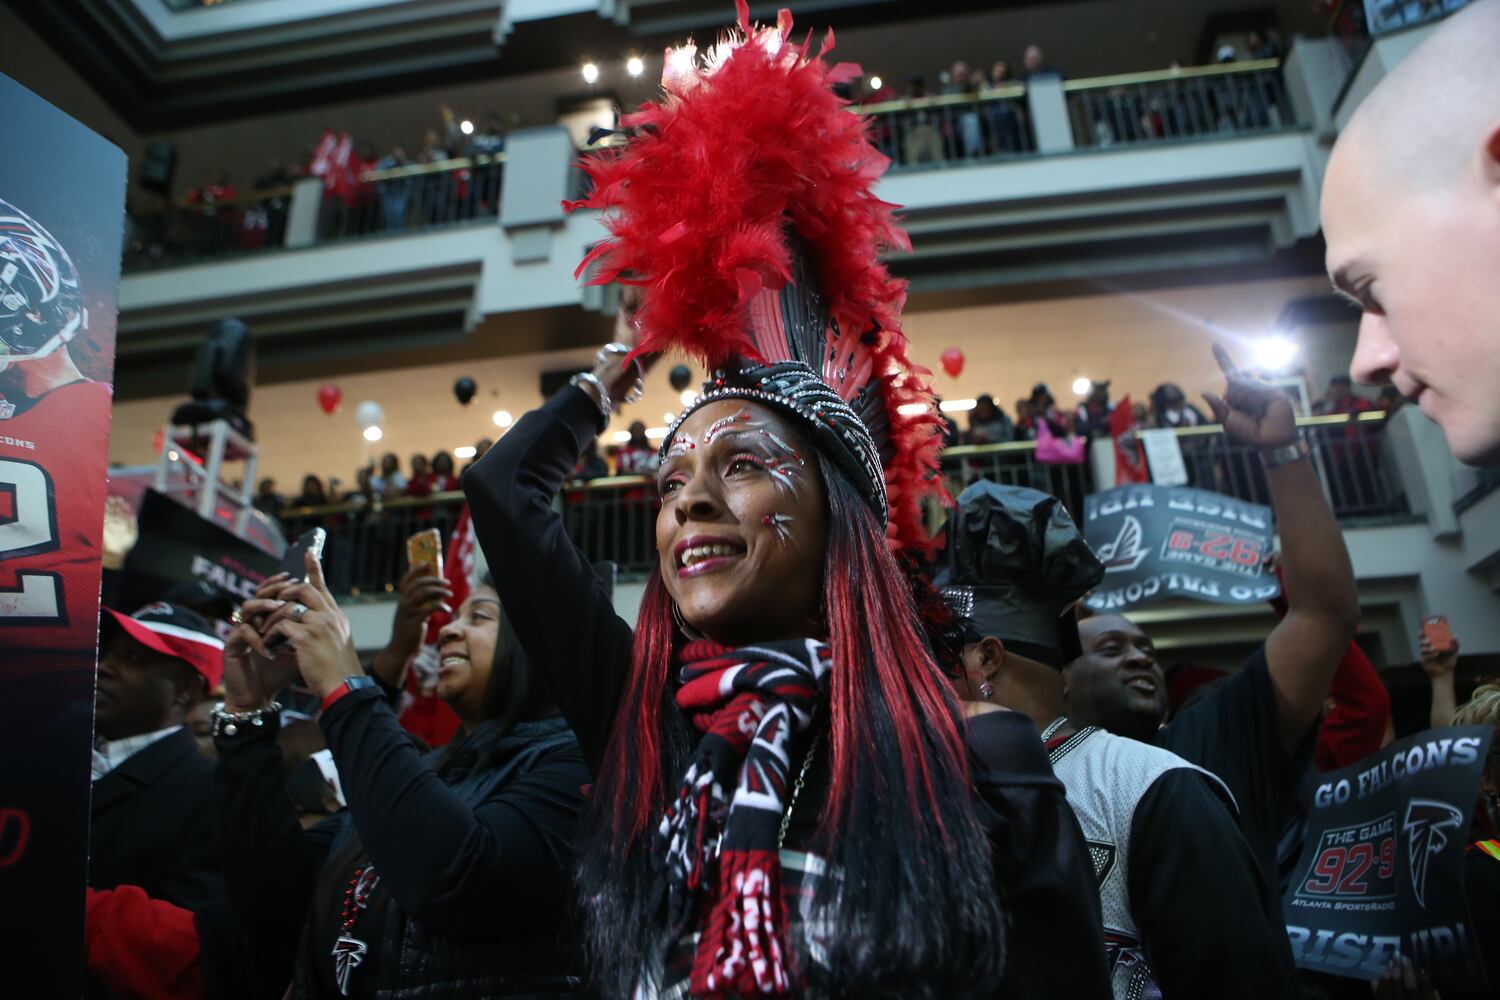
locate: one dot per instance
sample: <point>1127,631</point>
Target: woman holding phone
<point>448,874</point>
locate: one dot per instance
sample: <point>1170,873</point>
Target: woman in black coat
<point>448,874</point>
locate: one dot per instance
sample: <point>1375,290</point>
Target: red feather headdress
<point>743,205</point>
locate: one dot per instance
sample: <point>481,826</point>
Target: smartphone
<point>1437,633</point>
<point>294,563</point>
<point>425,549</point>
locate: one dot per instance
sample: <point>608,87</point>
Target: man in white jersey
<point>1186,910</point>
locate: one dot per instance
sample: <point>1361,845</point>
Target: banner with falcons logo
<point>62,209</point>
<point>1381,870</point>
<point>1161,542</point>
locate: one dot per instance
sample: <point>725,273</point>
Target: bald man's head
<point>1411,213</point>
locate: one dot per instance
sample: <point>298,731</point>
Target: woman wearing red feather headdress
<point>783,801</point>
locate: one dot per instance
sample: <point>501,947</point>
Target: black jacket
<point>474,860</point>
<point>154,824</point>
<point>569,628</point>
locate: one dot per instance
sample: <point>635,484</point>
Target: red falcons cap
<point>173,630</point>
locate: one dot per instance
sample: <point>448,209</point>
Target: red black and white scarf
<point>723,864</point>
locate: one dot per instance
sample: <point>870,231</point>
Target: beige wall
<point>1137,340</point>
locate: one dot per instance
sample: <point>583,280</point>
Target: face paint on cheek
<point>780,525</point>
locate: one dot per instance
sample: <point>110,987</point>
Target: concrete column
<point>532,191</point>
<point>1048,107</point>
<point>1313,73</point>
<point>302,215</point>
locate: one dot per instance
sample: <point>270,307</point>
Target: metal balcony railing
<point>614,519</point>
<point>952,129</point>
<point>411,198</point>
<point>1194,103</point>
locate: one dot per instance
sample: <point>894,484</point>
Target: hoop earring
<point>682,625</point>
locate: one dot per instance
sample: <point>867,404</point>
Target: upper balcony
<point>1022,183</point>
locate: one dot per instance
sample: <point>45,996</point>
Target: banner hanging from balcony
<point>1382,866</point>
<point>1163,542</point>
<point>62,208</point>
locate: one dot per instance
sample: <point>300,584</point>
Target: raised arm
<point>564,619</point>
<point>1439,666</point>
<point>1304,650</point>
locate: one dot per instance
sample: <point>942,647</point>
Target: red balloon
<point>330,397</point>
<point>953,361</point>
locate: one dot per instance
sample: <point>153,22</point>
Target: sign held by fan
<point>1163,542</point>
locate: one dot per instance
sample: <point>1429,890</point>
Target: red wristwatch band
<point>345,686</point>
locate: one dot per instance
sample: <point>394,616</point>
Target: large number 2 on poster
<point>28,526</point>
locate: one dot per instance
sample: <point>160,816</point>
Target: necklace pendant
<point>348,955</point>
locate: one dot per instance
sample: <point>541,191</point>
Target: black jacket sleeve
<point>444,861</point>
<point>1210,925</point>
<point>270,864</point>
<point>1054,935</point>
<point>557,605</point>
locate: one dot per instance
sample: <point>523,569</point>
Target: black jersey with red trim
<point>52,483</point>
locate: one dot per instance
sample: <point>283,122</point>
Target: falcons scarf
<point>720,852</point>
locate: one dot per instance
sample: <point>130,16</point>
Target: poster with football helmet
<point>62,199</point>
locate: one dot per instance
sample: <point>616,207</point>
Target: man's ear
<point>991,657</point>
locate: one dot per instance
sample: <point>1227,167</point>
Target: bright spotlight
<point>465,451</point>
<point>957,405</point>
<point>689,397</point>
<point>172,456</point>
<point>590,73</point>
<point>1274,353</point>
<point>635,66</point>
<point>502,418</point>
<point>668,418</point>
<point>1082,385</point>
<point>621,437</point>
<point>373,434</point>
<point>466,127</point>
<point>911,409</point>
<point>876,83</point>
<point>654,433</point>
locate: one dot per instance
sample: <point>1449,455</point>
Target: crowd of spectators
<point>364,191</point>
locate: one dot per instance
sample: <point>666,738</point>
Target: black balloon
<point>464,389</point>
<point>681,377</point>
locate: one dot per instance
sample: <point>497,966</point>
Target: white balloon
<point>369,414</point>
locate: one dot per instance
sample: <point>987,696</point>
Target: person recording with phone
<point>447,876</point>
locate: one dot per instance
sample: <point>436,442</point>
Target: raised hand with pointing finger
<point>1252,410</point>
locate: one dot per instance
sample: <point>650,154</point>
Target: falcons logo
<point>348,955</point>
<point>23,245</point>
<point>1425,827</point>
<point>1126,551</point>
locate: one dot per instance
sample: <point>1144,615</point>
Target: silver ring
<point>298,610</point>
<point>235,618</point>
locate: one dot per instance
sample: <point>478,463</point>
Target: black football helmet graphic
<point>41,306</point>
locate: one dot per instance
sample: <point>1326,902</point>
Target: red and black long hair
<point>910,909</point>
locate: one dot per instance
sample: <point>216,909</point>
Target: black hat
<point>1015,566</point>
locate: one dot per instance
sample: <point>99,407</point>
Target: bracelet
<point>638,387</point>
<point>1285,454</point>
<point>605,406</point>
<point>228,723</point>
<point>345,686</point>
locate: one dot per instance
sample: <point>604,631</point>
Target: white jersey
<point>1105,777</point>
